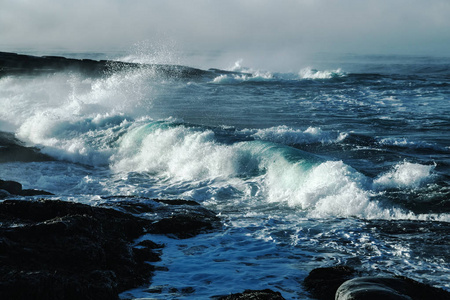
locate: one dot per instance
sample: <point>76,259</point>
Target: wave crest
<point>289,136</point>
<point>405,175</point>
<point>310,73</point>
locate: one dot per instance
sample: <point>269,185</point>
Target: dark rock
<point>177,218</point>
<point>253,295</point>
<point>11,187</point>
<point>62,250</point>
<point>388,288</point>
<point>35,193</point>
<point>146,254</point>
<point>184,226</point>
<point>322,283</point>
<point>15,188</point>
<point>17,64</point>
<point>177,202</point>
<point>130,204</point>
<point>150,244</point>
<point>4,194</point>
<point>11,149</point>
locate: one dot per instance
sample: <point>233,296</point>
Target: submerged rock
<point>339,283</point>
<point>184,226</point>
<point>323,283</point>
<point>15,188</point>
<point>62,250</point>
<point>176,218</point>
<point>388,288</point>
<point>11,187</point>
<point>253,295</point>
<point>11,149</point>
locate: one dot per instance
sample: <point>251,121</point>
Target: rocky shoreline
<point>53,249</point>
<point>21,64</point>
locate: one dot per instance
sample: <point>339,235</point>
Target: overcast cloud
<point>259,28</point>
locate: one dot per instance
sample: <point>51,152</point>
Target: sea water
<point>343,162</point>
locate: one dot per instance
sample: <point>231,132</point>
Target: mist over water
<point>325,143</point>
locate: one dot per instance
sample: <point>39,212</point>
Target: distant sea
<point>346,161</point>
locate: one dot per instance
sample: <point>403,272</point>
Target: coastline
<point>63,250</point>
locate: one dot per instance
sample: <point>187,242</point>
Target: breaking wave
<point>263,171</point>
<point>238,73</point>
<point>310,73</point>
<point>105,122</point>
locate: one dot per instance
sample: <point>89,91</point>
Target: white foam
<point>310,73</point>
<point>290,136</point>
<point>249,74</point>
<point>72,117</point>
<point>328,189</point>
<point>179,153</point>
<point>405,175</point>
<point>253,77</point>
<point>255,172</point>
<point>244,75</point>
<point>404,142</point>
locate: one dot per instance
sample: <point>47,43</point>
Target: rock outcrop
<point>323,283</point>
<point>343,283</point>
<point>11,149</point>
<point>64,250</point>
<point>9,188</point>
<point>18,64</point>
<point>176,218</point>
<point>388,288</point>
<point>52,249</point>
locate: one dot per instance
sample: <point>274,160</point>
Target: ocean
<point>343,162</point>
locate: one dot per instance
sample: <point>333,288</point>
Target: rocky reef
<point>11,149</point>
<point>53,249</point>
<point>345,283</point>
<point>21,64</point>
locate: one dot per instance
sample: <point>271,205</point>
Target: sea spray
<point>305,171</point>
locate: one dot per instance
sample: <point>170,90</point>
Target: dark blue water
<point>347,161</point>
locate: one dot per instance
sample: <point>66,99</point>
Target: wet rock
<point>187,224</point>
<point>388,288</point>
<point>266,294</point>
<point>176,218</point>
<point>322,283</point>
<point>11,187</point>
<point>11,149</point>
<point>18,64</point>
<point>177,202</point>
<point>34,192</point>
<point>150,244</point>
<point>62,250</point>
<point>4,194</point>
<point>15,188</point>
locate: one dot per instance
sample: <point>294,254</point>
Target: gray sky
<point>261,30</point>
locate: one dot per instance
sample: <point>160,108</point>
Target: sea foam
<point>259,171</point>
<point>289,136</point>
<point>405,175</point>
<point>310,73</point>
